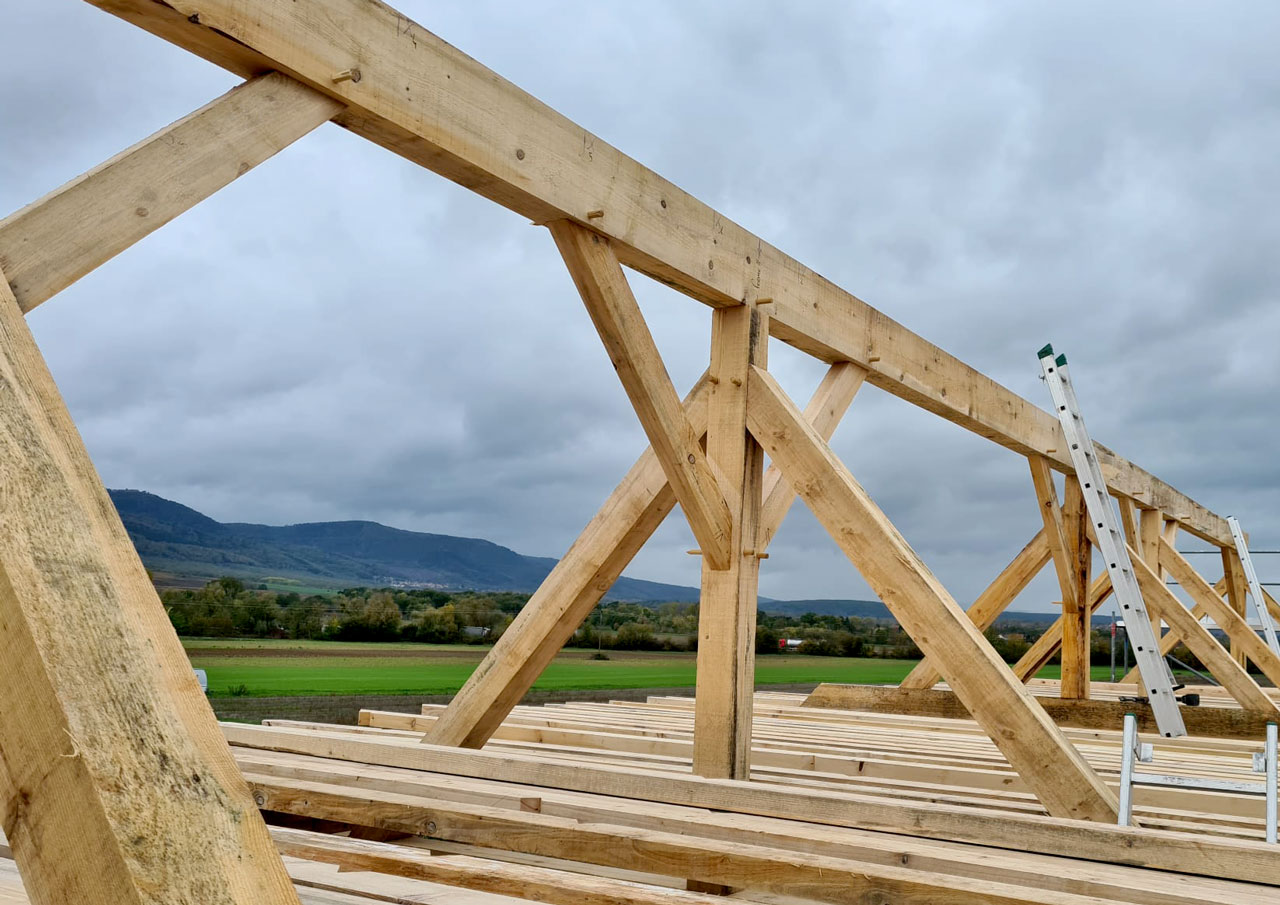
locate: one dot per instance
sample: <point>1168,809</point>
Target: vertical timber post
<point>1150,522</point>
<point>1237,588</point>
<point>1077,614</point>
<point>727,614</point>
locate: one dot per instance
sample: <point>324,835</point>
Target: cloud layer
<point>340,334</point>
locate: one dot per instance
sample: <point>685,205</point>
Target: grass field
<point>268,668</point>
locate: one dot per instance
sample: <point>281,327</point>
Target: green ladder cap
<point>1061,361</point>
<point>1046,351</point>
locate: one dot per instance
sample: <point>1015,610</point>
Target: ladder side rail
<point>1153,669</point>
<point>1126,770</point>
<point>1272,798</point>
<point>1255,589</point>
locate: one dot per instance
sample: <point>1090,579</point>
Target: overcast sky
<point>343,335</point>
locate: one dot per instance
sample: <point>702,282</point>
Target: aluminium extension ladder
<point>1156,677</point>
<point>1255,589</point>
<point>1134,751</point>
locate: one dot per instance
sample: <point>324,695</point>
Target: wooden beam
<point>826,407</point>
<point>566,596</point>
<point>613,309</point>
<point>1157,849</point>
<point>519,881</point>
<point>115,785</point>
<point>1215,722</point>
<point>1048,644</point>
<point>1068,540</point>
<point>1065,784</point>
<point>1128,520</point>
<point>1237,589</point>
<point>51,243</point>
<point>712,861</point>
<point>992,602</point>
<point>1170,640</point>
<point>1077,622</point>
<point>1197,638</point>
<point>586,572</point>
<point>727,609</point>
<point>429,102</point>
<point>1226,618</point>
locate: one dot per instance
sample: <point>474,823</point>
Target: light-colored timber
<point>1217,722</point>
<point>117,786</point>
<point>993,601</point>
<point>567,173</point>
<point>579,581</point>
<point>587,787</point>
<point>616,314</point>
<point>727,606</point>
<point>1064,782</point>
<point>49,244</point>
<point>99,709</point>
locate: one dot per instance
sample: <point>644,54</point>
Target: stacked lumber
<point>597,802</point>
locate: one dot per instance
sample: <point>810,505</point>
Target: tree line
<point>227,608</point>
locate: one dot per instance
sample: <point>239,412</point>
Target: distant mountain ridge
<point>176,539</point>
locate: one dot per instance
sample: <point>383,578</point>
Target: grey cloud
<point>343,335</point>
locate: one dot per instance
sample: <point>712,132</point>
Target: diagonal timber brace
<point>581,578</point>
<point>1065,784</point>
<point>1048,644</point>
<point>1219,662</point>
<point>49,244</point>
<point>992,602</point>
<point>1208,602</point>
<point>613,309</point>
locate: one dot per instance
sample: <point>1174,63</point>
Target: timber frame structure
<point>107,741</point>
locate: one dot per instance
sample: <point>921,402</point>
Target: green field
<point>267,668</point>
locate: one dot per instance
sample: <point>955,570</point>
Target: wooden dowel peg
<point>594,215</point>
<point>347,75</point>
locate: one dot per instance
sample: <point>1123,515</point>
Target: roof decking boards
<point>74,823</point>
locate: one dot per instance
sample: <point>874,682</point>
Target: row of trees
<point>227,608</point>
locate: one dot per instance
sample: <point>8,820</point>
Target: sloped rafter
<point>1209,603</point>
<point>1170,640</point>
<point>1065,784</point>
<point>1213,655</point>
